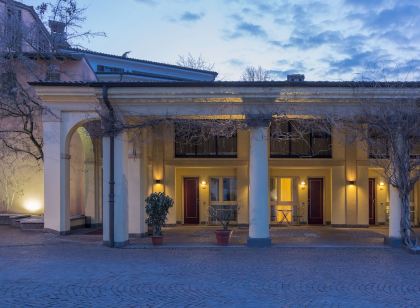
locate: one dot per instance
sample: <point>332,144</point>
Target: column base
<point>52,231</point>
<point>116,244</point>
<point>393,241</point>
<point>259,242</point>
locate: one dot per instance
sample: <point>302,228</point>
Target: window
<point>53,73</point>
<point>187,144</point>
<point>223,195</point>
<point>282,197</point>
<point>296,142</point>
<point>377,144</point>
<point>109,69</point>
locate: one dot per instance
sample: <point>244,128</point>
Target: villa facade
<point>266,181</point>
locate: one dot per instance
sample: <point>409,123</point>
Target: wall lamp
<point>303,184</point>
<point>351,182</point>
<point>381,185</point>
<point>158,181</point>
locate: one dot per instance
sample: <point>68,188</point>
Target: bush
<point>157,207</point>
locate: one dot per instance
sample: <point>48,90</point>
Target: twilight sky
<point>325,39</point>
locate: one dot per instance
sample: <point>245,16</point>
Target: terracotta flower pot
<point>223,237</point>
<point>157,240</point>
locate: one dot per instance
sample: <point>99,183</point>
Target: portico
<point>249,170</point>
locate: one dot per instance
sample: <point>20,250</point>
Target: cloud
<point>243,28</point>
<point>147,2</point>
<point>191,17</point>
<point>306,40</point>
<point>400,16</point>
<point>236,62</point>
<point>365,3</point>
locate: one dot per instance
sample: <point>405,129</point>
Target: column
<point>394,237</point>
<point>134,195</point>
<point>120,191</point>
<point>56,167</point>
<point>259,233</point>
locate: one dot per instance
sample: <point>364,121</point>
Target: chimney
<point>58,34</point>
<point>296,78</point>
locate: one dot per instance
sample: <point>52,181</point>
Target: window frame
<point>196,146</point>
<point>312,135</point>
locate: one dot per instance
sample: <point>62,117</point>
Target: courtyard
<point>41,269</point>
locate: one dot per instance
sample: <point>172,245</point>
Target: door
<point>191,212</point>
<point>315,201</point>
<point>372,201</point>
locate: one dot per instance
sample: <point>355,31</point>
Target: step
<point>32,223</point>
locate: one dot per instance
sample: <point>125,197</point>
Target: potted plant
<point>224,216</point>
<point>157,207</point>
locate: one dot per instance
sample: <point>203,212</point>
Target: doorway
<point>372,201</point>
<point>191,201</point>
<point>316,201</point>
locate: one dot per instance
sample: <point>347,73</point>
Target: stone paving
<point>57,271</point>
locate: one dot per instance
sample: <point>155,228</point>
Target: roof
<point>266,84</point>
<point>141,61</point>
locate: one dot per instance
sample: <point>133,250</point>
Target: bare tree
<point>252,73</point>
<point>70,16</point>
<point>195,62</point>
<point>390,134</point>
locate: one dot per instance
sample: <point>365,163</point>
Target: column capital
<point>256,120</point>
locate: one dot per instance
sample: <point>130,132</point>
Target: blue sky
<point>325,40</point>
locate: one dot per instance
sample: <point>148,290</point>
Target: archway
<point>84,199</point>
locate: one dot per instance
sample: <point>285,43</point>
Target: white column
<point>56,167</point>
<point>120,190</point>
<point>259,234</point>
<point>394,238</point>
<point>134,195</point>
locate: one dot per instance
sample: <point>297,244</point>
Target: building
<point>325,181</point>
<point>267,181</point>
<point>50,58</point>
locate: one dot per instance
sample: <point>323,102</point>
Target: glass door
<point>283,194</point>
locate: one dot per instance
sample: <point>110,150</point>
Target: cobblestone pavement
<point>57,273</point>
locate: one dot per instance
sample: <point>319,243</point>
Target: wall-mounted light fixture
<point>351,182</point>
<point>158,181</point>
<point>302,184</point>
<point>381,185</point>
<point>203,183</point>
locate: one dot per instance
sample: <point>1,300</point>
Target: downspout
<point>111,164</point>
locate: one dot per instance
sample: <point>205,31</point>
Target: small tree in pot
<point>157,207</point>
<point>224,216</point>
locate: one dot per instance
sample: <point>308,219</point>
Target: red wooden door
<point>315,201</point>
<point>191,211</point>
<point>372,201</point>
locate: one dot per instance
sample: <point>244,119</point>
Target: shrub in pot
<point>224,217</point>
<point>157,207</point>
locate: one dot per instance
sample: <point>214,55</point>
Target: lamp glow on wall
<point>203,184</point>
<point>381,185</point>
<point>302,184</point>
<point>32,205</point>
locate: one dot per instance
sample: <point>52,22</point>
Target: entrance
<point>372,201</point>
<point>315,201</point>
<point>191,201</point>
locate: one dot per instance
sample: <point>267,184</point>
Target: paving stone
<point>52,272</point>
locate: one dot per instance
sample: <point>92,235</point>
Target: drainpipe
<point>111,165</point>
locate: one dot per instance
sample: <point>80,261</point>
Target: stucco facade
<point>145,160</point>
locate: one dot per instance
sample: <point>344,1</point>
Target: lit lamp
<point>381,185</point>
<point>352,182</point>
<point>203,183</point>
<point>303,184</point>
<point>158,181</point>
<point>32,205</point>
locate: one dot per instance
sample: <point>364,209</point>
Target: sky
<point>325,40</point>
